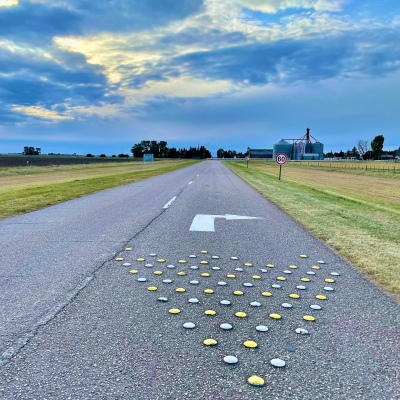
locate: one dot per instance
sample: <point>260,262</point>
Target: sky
<point>84,76</point>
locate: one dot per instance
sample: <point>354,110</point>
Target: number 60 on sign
<point>280,159</point>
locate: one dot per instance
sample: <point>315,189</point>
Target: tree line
<point>161,150</point>
<point>221,153</point>
<point>366,150</point>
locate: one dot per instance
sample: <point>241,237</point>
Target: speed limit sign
<point>281,158</point>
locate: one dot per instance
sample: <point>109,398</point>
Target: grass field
<point>25,189</point>
<point>356,211</point>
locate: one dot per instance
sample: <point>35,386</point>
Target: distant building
<point>261,153</point>
<point>386,156</point>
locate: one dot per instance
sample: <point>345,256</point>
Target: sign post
<point>280,159</point>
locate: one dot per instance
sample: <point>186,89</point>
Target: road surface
<point>78,323</point>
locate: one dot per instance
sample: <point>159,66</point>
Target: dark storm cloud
<point>74,68</point>
<point>119,15</point>
<point>10,117</point>
<point>28,79</point>
<point>292,60</point>
<point>164,69</point>
<point>39,22</point>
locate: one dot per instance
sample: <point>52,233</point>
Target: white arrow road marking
<point>205,223</point>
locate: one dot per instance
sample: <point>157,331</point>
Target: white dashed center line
<point>170,202</point>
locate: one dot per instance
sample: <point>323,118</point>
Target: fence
<point>390,166</point>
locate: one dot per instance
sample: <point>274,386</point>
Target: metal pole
<point>280,171</point>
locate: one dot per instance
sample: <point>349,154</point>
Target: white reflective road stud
<point>262,328</point>
<point>230,359</point>
<point>277,362</point>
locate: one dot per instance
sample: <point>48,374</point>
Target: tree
<point>155,148</point>
<point>329,154</point>
<point>163,148</point>
<point>31,151</point>
<point>368,155</point>
<point>220,153</point>
<point>362,147</point>
<point>204,152</point>
<point>377,146</point>
<point>172,152</point>
<point>352,153</point>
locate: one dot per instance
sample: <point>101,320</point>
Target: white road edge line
<point>170,202</point>
<point>190,182</point>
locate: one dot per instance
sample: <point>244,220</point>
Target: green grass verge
<point>364,233</point>
<point>16,200</point>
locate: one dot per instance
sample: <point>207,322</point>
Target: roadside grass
<point>50,185</point>
<point>356,214</point>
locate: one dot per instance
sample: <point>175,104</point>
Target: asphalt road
<point>77,324</point>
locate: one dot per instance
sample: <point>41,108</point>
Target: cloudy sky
<point>82,76</point>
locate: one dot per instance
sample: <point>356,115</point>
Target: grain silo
<point>304,148</point>
<point>282,147</point>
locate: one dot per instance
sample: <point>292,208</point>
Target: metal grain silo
<point>318,148</point>
<point>283,147</point>
<point>299,149</point>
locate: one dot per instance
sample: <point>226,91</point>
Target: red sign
<point>281,158</point>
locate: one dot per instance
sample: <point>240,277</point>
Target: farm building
<point>304,148</point>
<point>261,153</point>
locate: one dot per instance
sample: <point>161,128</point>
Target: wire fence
<point>389,166</point>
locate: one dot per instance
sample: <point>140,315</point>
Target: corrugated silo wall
<point>318,148</point>
<point>282,147</point>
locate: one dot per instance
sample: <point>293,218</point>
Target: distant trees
<point>158,149</point>
<point>161,150</point>
<point>31,151</point>
<point>221,153</point>
<point>353,153</point>
<point>377,146</point>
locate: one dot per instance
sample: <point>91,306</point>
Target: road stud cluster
<point>261,280</point>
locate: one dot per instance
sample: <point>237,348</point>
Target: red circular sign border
<point>281,154</point>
